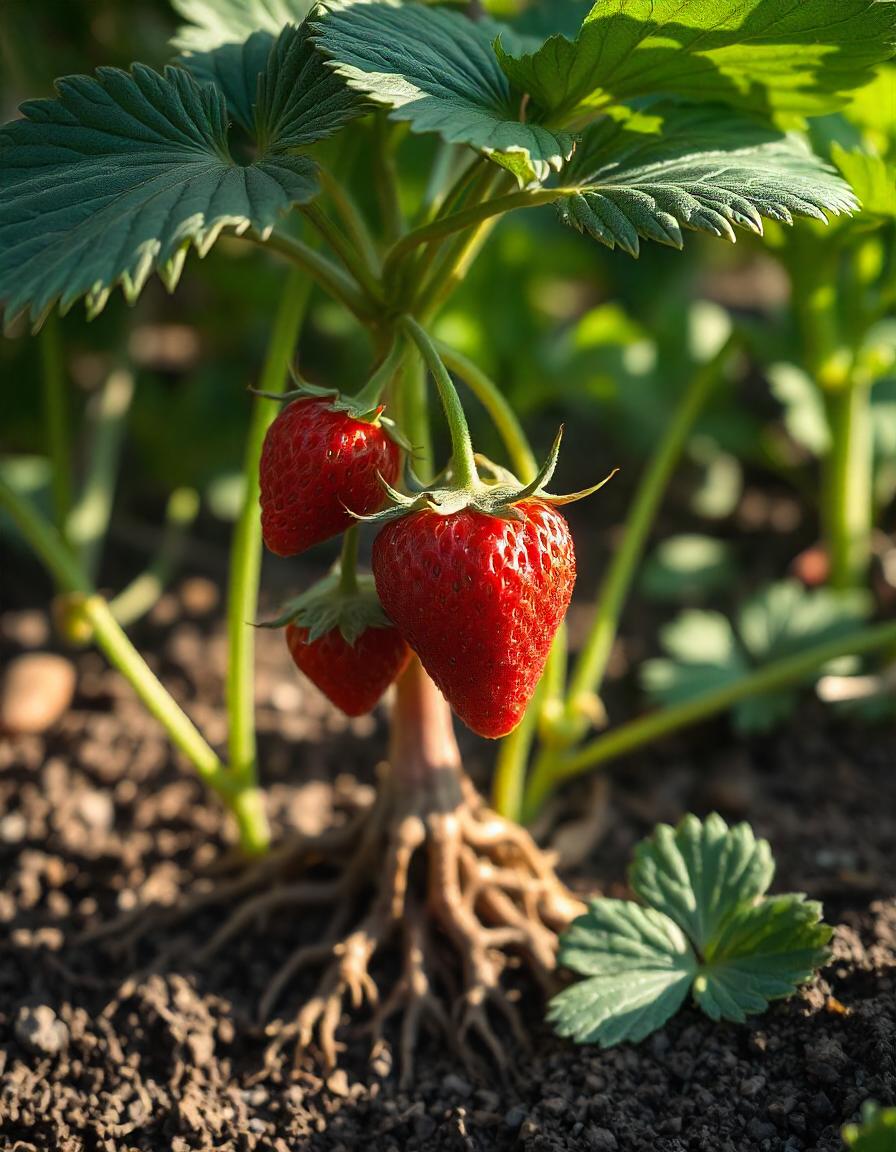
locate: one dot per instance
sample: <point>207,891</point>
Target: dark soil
<point>98,816</point>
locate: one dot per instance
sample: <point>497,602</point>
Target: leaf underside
<point>211,23</point>
<point>121,173</point>
<point>702,168</point>
<point>763,56</point>
<point>437,70</point>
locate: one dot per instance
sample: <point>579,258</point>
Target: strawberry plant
<point>290,127</point>
<point>706,926</point>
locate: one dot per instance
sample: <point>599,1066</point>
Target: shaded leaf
<point>701,168</point>
<point>764,56</point>
<point>872,179</point>
<point>706,651</point>
<point>687,566</point>
<point>436,69</point>
<point>121,173</point>
<point>877,1131</point>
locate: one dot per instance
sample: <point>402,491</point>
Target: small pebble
<point>602,1140</point>
<point>35,692</point>
<point>514,1117</point>
<point>40,1030</point>
<point>199,596</point>
<point>457,1086</point>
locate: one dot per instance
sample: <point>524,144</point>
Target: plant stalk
<point>56,416</point>
<point>346,250</point>
<point>784,673</point>
<point>245,568</point>
<point>322,270</point>
<point>70,578</point>
<point>591,666</point>
<point>848,484</point>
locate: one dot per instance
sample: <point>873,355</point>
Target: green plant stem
<point>848,484</point>
<point>509,781</point>
<point>350,256</point>
<point>500,412</point>
<point>386,178</point>
<point>88,520</point>
<point>56,417</point>
<point>138,597</point>
<point>245,566</point>
<point>348,562</point>
<point>322,270</point>
<point>587,678</point>
<point>413,416</point>
<point>350,214</point>
<point>70,578</point>
<point>461,445</point>
<point>370,395</point>
<point>444,226</point>
<point>636,733</point>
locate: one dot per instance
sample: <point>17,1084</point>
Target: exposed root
<point>428,875</point>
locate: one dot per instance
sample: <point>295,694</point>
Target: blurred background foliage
<point>572,332</point>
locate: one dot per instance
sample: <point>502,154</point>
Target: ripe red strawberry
<point>479,599</point>
<point>352,676</point>
<point>317,462</point>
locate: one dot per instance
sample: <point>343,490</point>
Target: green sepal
<point>494,495</point>
<point>326,606</point>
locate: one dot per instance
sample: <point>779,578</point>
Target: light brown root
<point>460,895</point>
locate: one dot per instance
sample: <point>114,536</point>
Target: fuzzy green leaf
<point>702,168</point>
<point>210,23</point>
<point>763,56</point>
<point>687,567</point>
<point>121,173</point>
<point>706,651</point>
<point>278,87</point>
<point>641,967</point>
<point>706,927</point>
<point>699,872</point>
<point>437,70</point>
<point>762,953</point>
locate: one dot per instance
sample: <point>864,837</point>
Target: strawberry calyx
<point>326,606</point>
<point>343,600</point>
<point>487,488</point>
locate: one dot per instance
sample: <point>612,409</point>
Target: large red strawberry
<point>319,464</point>
<point>354,676</point>
<point>479,599</point>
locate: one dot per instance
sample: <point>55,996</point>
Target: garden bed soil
<point>98,816</point>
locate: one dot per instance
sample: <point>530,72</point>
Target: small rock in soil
<point>40,1031</point>
<point>35,692</point>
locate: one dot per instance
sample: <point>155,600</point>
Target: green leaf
<point>641,967</point>
<point>120,174</point>
<point>763,56</point>
<point>686,567</point>
<point>876,1133</point>
<point>706,651</point>
<point>210,23</point>
<point>707,169</point>
<point>873,180</point>
<point>437,70</point>
<point>804,413</point>
<point>707,925</point>
<point>762,953</point>
<point>700,872</point>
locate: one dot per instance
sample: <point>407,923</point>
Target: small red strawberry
<point>352,676</point>
<point>318,464</point>
<point>479,599</point>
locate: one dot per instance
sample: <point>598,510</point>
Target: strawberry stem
<point>369,397</point>
<point>465,473</point>
<point>348,562</point>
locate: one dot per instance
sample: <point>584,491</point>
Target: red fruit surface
<point>354,676</point>
<point>316,463</point>
<point>479,599</point>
